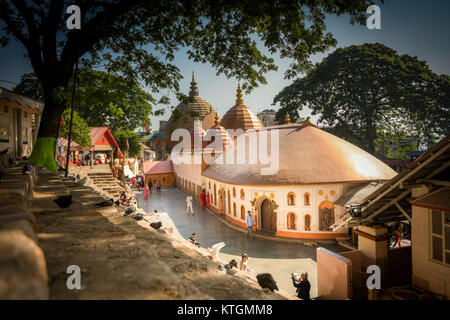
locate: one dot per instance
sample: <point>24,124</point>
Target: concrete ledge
<point>23,274</point>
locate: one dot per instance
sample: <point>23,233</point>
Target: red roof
<point>158,167</point>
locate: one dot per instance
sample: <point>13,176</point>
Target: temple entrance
<point>267,216</point>
<point>326,216</point>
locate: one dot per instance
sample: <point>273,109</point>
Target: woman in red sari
<point>202,199</point>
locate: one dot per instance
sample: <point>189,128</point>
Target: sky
<point>416,27</point>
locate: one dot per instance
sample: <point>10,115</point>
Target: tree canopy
<point>134,140</point>
<point>81,133</point>
<point>369,92</point>
<point>138,40</point>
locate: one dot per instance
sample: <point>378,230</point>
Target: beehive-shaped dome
<point>219,132</point>
<point>185,113</point>
<point>240,116</point>
<point>307,155</point>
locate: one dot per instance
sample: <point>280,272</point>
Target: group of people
<point>149,186</point>
<point>80,160</point>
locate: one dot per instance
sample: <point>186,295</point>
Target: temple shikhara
<point>315,169</point>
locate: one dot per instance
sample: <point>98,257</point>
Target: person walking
<point>302,284</point>
<point>250,223</point>
<point>397,236</point>
<point>150,185</point>
<point>147,192</point>
<point>203,199</point>
<point>158,187</point>
<point>189,205</point>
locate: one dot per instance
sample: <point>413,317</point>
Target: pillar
<point>373,242</point>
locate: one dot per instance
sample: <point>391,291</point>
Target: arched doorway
<point>326,216</point>
<point>268,222</point>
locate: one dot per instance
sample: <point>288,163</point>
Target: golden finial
<point>239,99</point>
<point>307,121</point>
<point>217,122</point>
<point>193,77</point>
<point>287,119</point>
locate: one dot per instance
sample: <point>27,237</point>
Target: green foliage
<point>134,140</point>
<point>102,99</point>
<point>394,145</point>
<point>80,129</point>
<point>365,90</point>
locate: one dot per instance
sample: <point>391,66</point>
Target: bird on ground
<point>5,151</point>
<point>137,216</point>
<point>106,203</point>
<point>72,178</point>
<point>267,282</point>
<point>222,268</point>
<point>63,201</point>
<point>128,211</point>
<point>78,177</point>
<point>26,169</point>
<point>117,202</point>
<point>214,251</point>
<point>233,263</point>
<point>156,225</point>
<point>83,181</point>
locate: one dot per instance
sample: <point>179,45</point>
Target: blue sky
<point>415,27</point>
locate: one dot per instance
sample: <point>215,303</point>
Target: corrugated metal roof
<point>21,99</point>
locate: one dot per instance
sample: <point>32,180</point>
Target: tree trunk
<point>43,153</point>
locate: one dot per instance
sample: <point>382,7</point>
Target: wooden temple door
<point>267,221</point>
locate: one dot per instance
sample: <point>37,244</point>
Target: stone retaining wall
<point>23,272</point>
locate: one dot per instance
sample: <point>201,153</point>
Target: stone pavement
<point>278,258</point>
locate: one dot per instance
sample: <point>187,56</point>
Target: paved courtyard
<point>278,258</point>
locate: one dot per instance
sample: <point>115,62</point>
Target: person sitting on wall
<point>193,240</point>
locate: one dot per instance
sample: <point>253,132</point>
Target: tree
<point>81,133</point>
<point>102,99</point>
<point>138,39</point>
<point>134,140</point>
<point>370,90</point>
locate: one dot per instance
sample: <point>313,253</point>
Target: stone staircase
<point>105,182</point>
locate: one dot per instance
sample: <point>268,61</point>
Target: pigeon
<point>137,216</point>
<point>128,211</point>
<point>214,251</point>
<point>106,203</point>
<point>5,151</point>
<point>78,177</point>
<point>117,202</point>
<point>222,268</point>
<point>266,281</point>
<point>83,181</point>
<point>72,178</point>
<point>63,201</point>
<point>233,263</point>
<point>26,169</point>
<point>156,225</point>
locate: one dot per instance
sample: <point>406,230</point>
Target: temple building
<point>315,168</point>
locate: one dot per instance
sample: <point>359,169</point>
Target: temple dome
<point>185,113</point>
<point>218,130</point>
<point>307,155</point>
<point>240,116</point>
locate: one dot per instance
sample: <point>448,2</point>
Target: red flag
<point>62,122</point>
<point>147,128</point>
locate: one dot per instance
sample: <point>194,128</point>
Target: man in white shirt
<point>189,205</point>
<point>250,223</point>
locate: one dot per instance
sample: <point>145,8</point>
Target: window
<point>307,198</point>
<point>234,209</point>
<point>242,194</point>
<point>292,221</point>
<point>234,192</point>
<point>440,236</point>
<point>215,195</point>
<point>291,199</point>
<point>25,136</point>
<point>242,212</point>
<point>229,202</point>
<point>25,114</point>
<point>307,222</point>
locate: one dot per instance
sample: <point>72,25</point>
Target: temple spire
<point>239,100</point>
<point>194,89</point>
<point>217,121</point>
<point>287,119</point>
